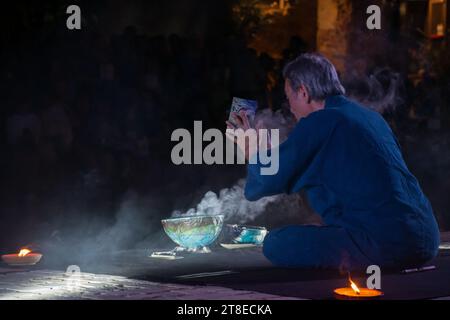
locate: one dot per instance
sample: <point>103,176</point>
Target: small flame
<point>354,286</point>
<point>24,252</point>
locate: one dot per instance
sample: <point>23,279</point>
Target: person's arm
<point>296,155</point>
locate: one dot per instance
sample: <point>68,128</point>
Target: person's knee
<point>272,246</point>
<point>269,242</point>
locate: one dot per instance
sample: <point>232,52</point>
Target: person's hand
<point>241,121</point>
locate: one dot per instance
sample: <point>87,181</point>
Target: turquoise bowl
<point>193,232</point>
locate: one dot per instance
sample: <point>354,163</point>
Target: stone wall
<point>333,21</point>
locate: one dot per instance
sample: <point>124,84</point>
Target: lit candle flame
<point>24,252</point>
<point>354,286</point>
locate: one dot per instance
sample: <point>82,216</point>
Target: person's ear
<point>303,92</point>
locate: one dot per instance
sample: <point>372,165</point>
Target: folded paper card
<point>239,104</point>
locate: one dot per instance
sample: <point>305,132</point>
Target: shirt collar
<point>335,101</point>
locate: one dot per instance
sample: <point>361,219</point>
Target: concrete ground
<point>57,285</point>
<point>222,274</point>
<point>115,277</point>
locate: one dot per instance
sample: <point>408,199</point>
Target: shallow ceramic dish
<point>27,260</point>
<point>241,234</point>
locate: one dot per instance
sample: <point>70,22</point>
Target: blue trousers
<point>328,247</point>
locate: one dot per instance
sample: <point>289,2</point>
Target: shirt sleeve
<point>295,156</point>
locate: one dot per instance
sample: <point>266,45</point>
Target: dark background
<point>86,115</point>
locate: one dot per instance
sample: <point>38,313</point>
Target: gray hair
<point>316,73</point>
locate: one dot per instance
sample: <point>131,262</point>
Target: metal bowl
<point>193,232</point>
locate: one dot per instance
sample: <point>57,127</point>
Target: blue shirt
<point>349,162</point>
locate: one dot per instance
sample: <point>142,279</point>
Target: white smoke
<point>380,91</point>
<point>267,119</point>
<point>231,203</point>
